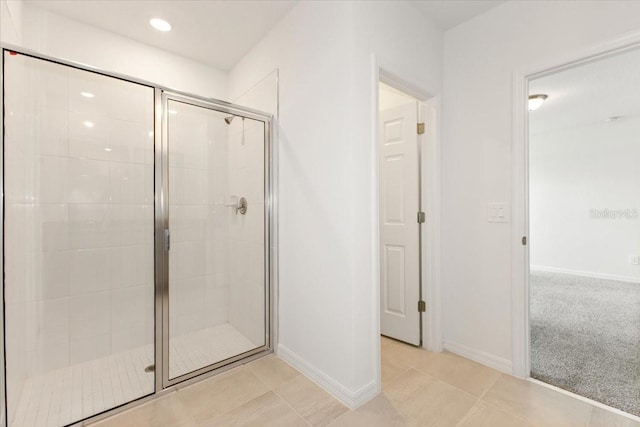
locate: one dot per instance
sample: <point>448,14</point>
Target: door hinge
<point>422,306</point>
<point>167,240</point>
<point>422,217</point>
<point>420,128</point>
<point>524,240</point>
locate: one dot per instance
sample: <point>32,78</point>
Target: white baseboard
<point>482,357</point>
<point>351,399</point>
<point>628,279</point>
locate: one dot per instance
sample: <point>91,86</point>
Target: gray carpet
<point>585,337</point>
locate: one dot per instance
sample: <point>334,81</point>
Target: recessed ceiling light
<point>536,101</point>
<point>87,94</point>
<point>88,124</point>
<point>160,24</point>
<point>107,149</point>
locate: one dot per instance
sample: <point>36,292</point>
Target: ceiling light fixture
<point>536,101</point>
<point>160,24</point>
<point>87,94</point>
<point>88,124</point>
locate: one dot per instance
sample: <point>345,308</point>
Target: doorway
<point>400,214</point>
<point>584,229</point>
<point>136,239</point>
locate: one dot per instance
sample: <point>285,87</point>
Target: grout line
<point>395,377</point>
<point>300,374</point>
<point>344,414</point>
<point>508,411</point>
<point>455,387</point>
<point>272,389</point>
<point>226,410</point>
<point>291,407</point>
<point>589,417</point>
<point>472,411</point>
<point>478,399</point>
<point>493,383</point>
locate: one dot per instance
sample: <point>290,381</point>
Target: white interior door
<point>399,228</point>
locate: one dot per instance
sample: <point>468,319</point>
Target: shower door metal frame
<point>5,410</point>
<point>160,219</point>
<point>163,233</point>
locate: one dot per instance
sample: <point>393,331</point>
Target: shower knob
<point>242,206</point>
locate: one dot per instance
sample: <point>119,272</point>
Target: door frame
<point>430,189</point>
<point>271,237</point>
<point>520,268</point>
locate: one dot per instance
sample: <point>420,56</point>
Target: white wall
<point>572,172</point>
<point>247,153</point>
<point>11,21</point>
<point>327,192</point>
<point>61,37</point>
<point>480,57</point>
<point>403,42</point>
<point>315,291</point>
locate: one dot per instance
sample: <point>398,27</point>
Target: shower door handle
<point>167,239</point>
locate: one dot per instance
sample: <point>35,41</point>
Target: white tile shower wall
<point>198,184</point>
<point>246,232</point>
<point>80,211</point>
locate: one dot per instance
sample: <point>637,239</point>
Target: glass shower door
<point>78,243</point>
<point>217,305</point>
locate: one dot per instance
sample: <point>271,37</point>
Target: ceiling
<point>588,94</point>
<point>234,26</point>
<point>447,14</point>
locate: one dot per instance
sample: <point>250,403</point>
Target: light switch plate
<point>499,212</point>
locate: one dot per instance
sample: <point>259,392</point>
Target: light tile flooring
<point>419,389</point>
<point>70,394</point>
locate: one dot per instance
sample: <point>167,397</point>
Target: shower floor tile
<point>205,347</point>
<point>76,392</point>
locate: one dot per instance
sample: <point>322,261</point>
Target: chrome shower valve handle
<point>242,206</point>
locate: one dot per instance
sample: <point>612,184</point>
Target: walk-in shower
<point>136,238</point>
